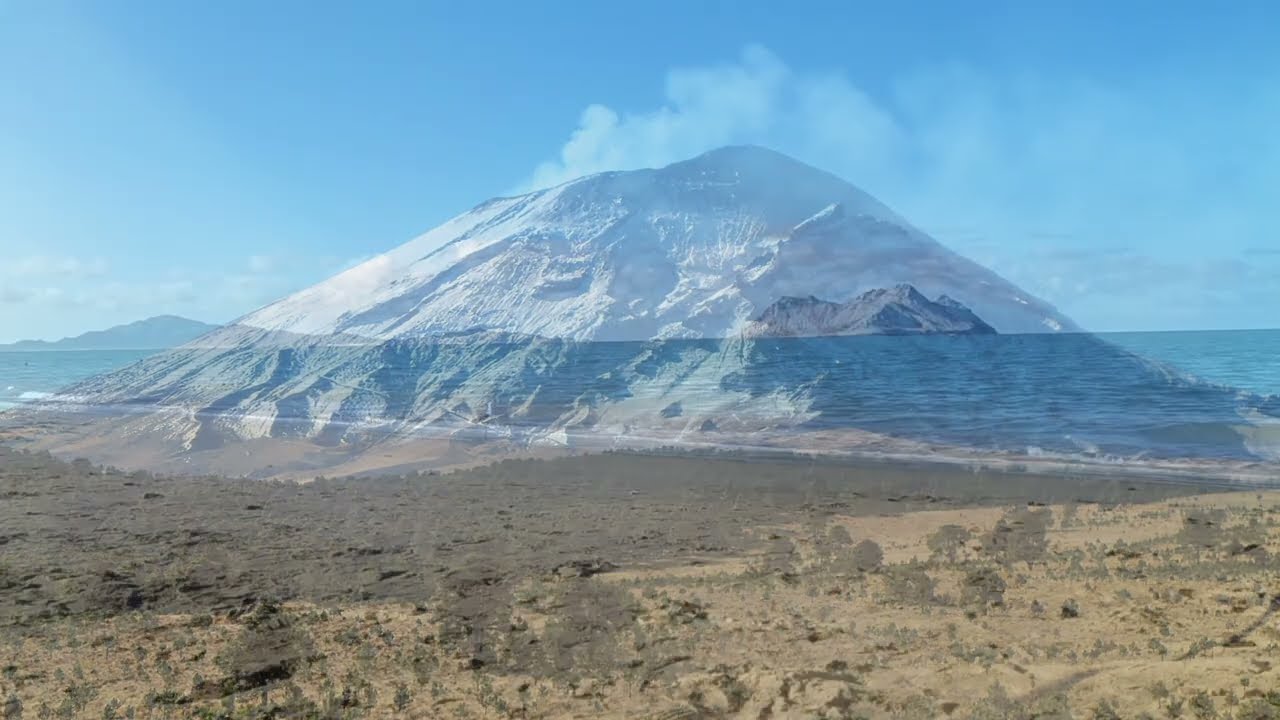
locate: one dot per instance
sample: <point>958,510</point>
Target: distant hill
<point>158,333</point>
<point>899,310</point>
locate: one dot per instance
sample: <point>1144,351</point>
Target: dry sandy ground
<point>634,586</point>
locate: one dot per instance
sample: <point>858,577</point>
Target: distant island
<point>897,310</point>
<point>157,333</point>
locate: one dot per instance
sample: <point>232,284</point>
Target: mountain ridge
<point>900,310</point>
<point>160,332</point>
<point>693,249</point>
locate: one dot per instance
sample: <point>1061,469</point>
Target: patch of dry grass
<point>1150,610</point>
<point>625,587</point>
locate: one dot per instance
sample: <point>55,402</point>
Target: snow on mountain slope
<point>695,249</point>
<point>494,319</point>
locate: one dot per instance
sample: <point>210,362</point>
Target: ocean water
<point>1061,394</point>
<point>1245,359</point>
<point>1212,395</point>
<point>26,376</point>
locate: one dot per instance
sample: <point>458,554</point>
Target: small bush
<point>948,542</point>
<point>1070,609</point>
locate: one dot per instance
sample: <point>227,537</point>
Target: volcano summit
<point>692,250</point>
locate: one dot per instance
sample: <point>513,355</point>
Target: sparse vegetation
<point>949,542</point>
<point>1020,536</point>
<point>983,588</point>
<point>814,613</point>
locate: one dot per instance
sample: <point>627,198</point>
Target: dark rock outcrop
<point>898,310</point>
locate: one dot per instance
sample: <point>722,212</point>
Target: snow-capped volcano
<point>692,250</point>
<point>499,319</point>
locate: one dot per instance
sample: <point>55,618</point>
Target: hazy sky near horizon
<point>1121,160</point>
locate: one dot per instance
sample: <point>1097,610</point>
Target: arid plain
<point>634,585</point>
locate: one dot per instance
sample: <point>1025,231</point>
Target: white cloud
<point>261,263</point>
<point>64,295</point>
<point>707,107</point>
<point>755,100</point>
<point>1002,168</point>
<point>54,266</point>
<point>10,295</point>
<point>349,263</point>
<point>360,280</point>
<point>138,297</point>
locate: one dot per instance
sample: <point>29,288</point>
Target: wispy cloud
<point>757,99</point>
<point>13,295</point>
<point>262,263</point>
<point>64,292</point>
<point>1002,168</point>
<point>34,267</point>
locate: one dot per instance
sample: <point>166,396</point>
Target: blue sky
<point>1119,159</point>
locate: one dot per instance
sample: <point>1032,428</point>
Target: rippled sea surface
<point>32,375</point>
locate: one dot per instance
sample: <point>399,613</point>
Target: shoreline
<point>103,435</point>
